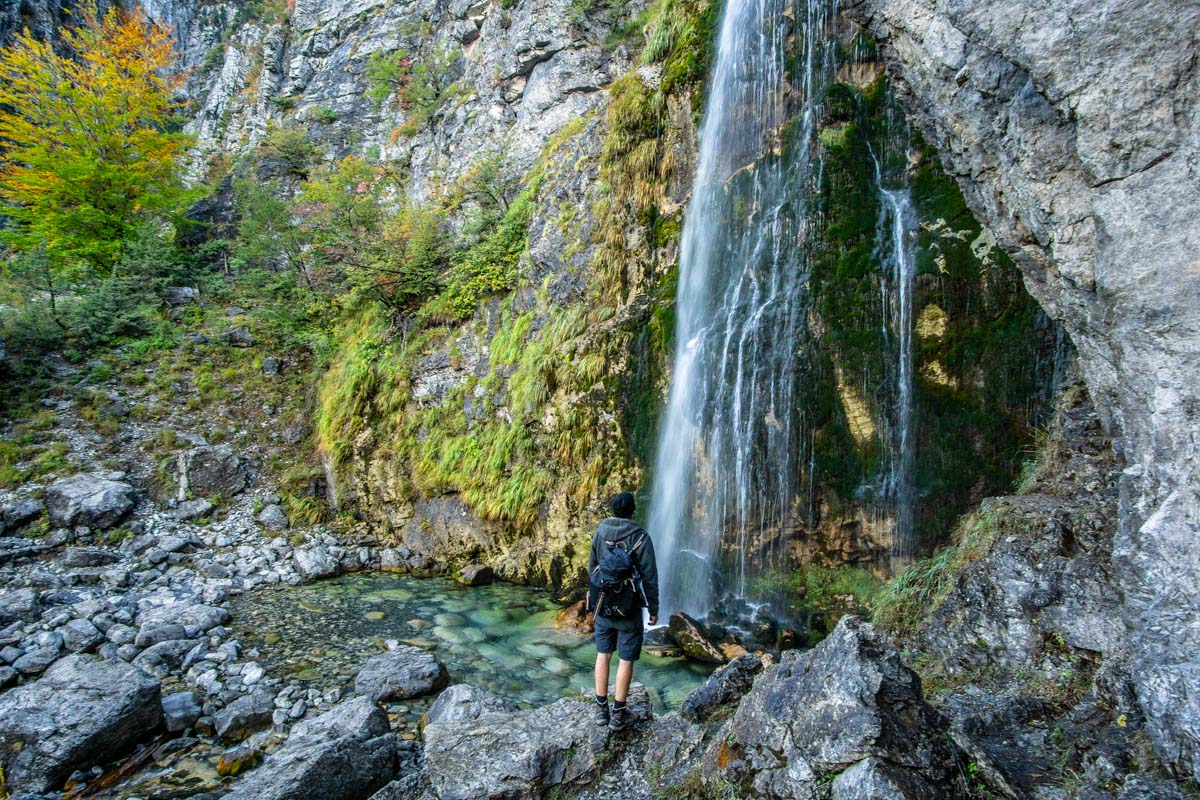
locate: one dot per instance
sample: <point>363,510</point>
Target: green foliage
<point>268,237</point>
<point>822,588</point>
<point>421,83</point>
<point>290,147</point>
<point>324,115</point>
<point>91,146</point>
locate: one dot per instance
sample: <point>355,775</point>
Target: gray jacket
<point>616,529</point>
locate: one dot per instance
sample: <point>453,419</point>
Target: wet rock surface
<point>81,712</point>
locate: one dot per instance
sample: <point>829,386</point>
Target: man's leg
<point>624,678</point>
<point>602,662</point>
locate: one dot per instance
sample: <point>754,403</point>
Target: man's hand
<point>653,619</point>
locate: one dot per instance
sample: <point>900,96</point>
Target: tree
<point>89,146</point>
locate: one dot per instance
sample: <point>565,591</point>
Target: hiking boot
<point>600,714</point>
<point>622,718</point>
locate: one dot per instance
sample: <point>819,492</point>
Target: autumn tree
<point>89,145</point>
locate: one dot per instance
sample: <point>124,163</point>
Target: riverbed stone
<point>824,710</point>
<point>194,617</point>
<point>20,512</point>
<point>18,605</point>
<point>517,755</point>
<point>400,673</point>
<point>191,509</point>
<point>273,518</point>
<point>80,635</point>
<point>347,753</point>
<point>315,561</point>
<point>245,715</point>
<point>180,711</point>
<point>81,712</point>
<point>82,557</point>
<point>37,660</point>
<point>88,500</point>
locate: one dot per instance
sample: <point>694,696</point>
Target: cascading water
<point>726,467</point>
<point>898,220</point>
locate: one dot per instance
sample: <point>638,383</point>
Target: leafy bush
<point>290,147</point>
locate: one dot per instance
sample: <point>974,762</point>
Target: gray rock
<point>238,337</point>
<point>476,575</point>
<point>273,518</point>
<point>164,658</point>
<point>463,701</point>
<point>401,673</point>
<point>20,512</point>
<point>80,635</point>
<point>211,471</point>
<point>88,500</point>
<point>181,295</point>
<point>8,676</point>
<point>1074,136</point>
<point>823,710</point>
<point>314,561</point>
<point>191,509</point>
<point>516,755</point>
<point>80,557</point>
<point>81,712</point>
<point>873,779</point>
<point>18,604</point>
<point>196,618</point>
<point>180,711</point>
<point>37,660</point>
<point>245,715</point>
<point>347,753</point>
<point>724,687</point>
<point>153,633</point>
<point>271,366</point>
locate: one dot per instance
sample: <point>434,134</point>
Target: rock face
<point>401,673</point>
<point>88,500</point>
<point>347,753</point>
<point>848,704</point>
<point>1074,132</point>
<point>518,755</point>
<point>724,687</point>
<point>81,712</point>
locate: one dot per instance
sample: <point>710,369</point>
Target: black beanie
<point>623,505</point>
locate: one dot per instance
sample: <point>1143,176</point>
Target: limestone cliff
<point>1074,132</point>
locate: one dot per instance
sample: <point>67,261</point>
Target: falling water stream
<point>725,474</point>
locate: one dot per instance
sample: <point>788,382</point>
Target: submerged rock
<point>689,635</point>
<point>88,500</point>
<point>517,755</point>
<point>823,711</point>
<point>81,712</point>
<point>401,673</point>
<point>347,753</point>
<point>575,617</point>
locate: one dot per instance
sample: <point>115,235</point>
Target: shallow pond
<point>500,637</point>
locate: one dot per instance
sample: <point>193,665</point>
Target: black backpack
<point>613,587</point>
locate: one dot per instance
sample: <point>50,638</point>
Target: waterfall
<point>899,221</point>
<point>727,461</point>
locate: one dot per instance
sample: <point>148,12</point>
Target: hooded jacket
<point>616,529</point>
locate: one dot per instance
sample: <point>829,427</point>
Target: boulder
<point>80,713</point>
<point>80,635</point>
<point>88,500</point>
<point>401,673</point>
<point>689,635</point>
<point>20,512</point>
<point>175,296</point>
<point>180,711</point>
<point>164,658</point>
<point>37,660</point>
<point>522,754</point>
<point>476,575</point>
<point>347,753</point>
<point>723,688</point>
<point>820,712</point>
<point>314,562</point>
<point>18,605</point>
<point>273,518</point>
<point>196,618</point>
<point>211,471</point>
<point>245,715</point>
<point>463,701</point>
<point>191,509</point>
<point>238,337</point>
<point>83,557</point>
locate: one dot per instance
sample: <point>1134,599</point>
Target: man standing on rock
<point>620,629</point>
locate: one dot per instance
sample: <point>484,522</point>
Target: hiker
<point>623,581</point>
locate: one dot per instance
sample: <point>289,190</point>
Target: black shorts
<point>627,643</point>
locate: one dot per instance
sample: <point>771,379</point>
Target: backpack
<point>613,587</point>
